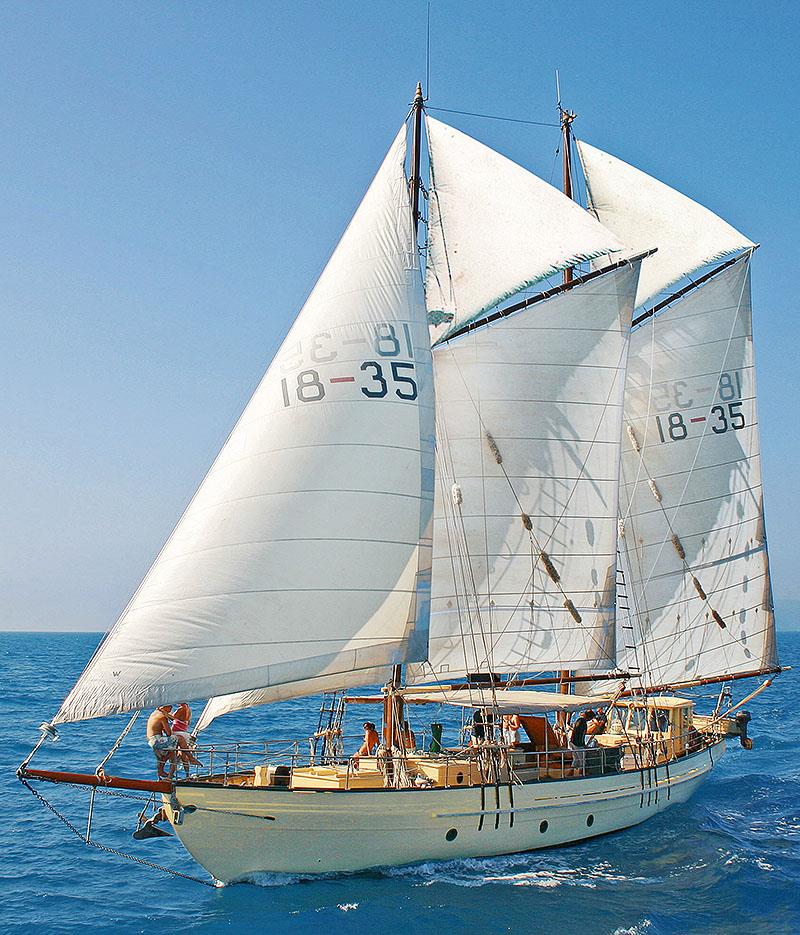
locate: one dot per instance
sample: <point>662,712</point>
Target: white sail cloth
<point>305,552</point>
<point>694,487</point>
<point>645,213</point>
<point>494,228</point>
<point>542,390</point>
<point>511,701</point>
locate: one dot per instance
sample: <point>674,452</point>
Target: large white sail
<point>305,552</point>
<point>645,213</point>
<point>691,497</point>
<point>494,228</point>
<point>529,414</point>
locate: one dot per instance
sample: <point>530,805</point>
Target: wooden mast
<point>393,702</point>
<point>566,117</point>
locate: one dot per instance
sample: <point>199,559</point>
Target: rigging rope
<point>105,847</point>
<point>468,113</point>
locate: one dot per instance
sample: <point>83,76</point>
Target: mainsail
<point>691,498</point>
<point>645,213</point>
<point>305,553</point>
<point>528,444</point>
<point>494,228</point>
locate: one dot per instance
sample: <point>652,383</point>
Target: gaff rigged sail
<point>529,415</point>
<point>691,498</point>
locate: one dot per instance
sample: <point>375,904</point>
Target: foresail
<point>529,414</point>
<point>305,553</point>
<point>494,228</point>
<point>691,497</point>
<point>645,213</point>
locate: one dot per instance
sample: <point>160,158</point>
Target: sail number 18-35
<point>376,378</point>
<point>727,415</point>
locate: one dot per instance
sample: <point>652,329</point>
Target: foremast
<point>393,702</point>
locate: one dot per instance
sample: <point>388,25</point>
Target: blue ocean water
<point>727,861</point>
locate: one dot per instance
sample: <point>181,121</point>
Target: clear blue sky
<point>174,176</point>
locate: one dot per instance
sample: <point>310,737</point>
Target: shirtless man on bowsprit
<point>163,744</point>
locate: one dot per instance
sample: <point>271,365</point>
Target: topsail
<point>304,555</point>
<point>495,229</point>
<point>645,213</point>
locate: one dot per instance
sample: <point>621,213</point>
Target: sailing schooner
<point>452,496</point>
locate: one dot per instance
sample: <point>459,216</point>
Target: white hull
<point>322,832</point>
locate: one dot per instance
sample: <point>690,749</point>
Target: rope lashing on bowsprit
<point>104,847</point>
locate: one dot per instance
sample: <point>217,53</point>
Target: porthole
<point>543,827</point>
<point>590,820</point>
<point>459,778</point>
<point>451,835</point>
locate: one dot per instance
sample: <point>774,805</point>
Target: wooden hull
<point>234,832</point>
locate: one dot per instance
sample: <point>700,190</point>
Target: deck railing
<point>485,763</point>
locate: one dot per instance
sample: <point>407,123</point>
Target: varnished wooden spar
<point>710,680</point>
<point>90,779</point>
<point>692,285</point>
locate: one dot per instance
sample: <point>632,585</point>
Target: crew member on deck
<point>371,741</point>
<point>578,739</point>
<point>162,743</point>
<point>180,731</point>
<point>599,724</point>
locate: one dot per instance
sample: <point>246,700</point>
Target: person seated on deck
<point>180,731</point>
<point>162,743</point>
<point>598,725</point>
<point>408,737</point>
<point>371,741</point>
<point>578,739</point>
<point>511,725</point>
<point>659,720</point>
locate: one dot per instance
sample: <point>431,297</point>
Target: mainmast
<point>393,703</point>
<point>566,117</point>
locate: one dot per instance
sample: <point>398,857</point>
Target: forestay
<point>494,228</point>
<point>529,411</point>
<point>691,498</point>
<point>645,213</point>
<point>305,553</point>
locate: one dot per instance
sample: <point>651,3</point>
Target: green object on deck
<point>436,738</point>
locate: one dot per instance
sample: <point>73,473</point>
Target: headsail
<point>528,443</point>
<point>691,497</point>
<point>494,228</point>
<point>305,552</point>
<point>645,213</point>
